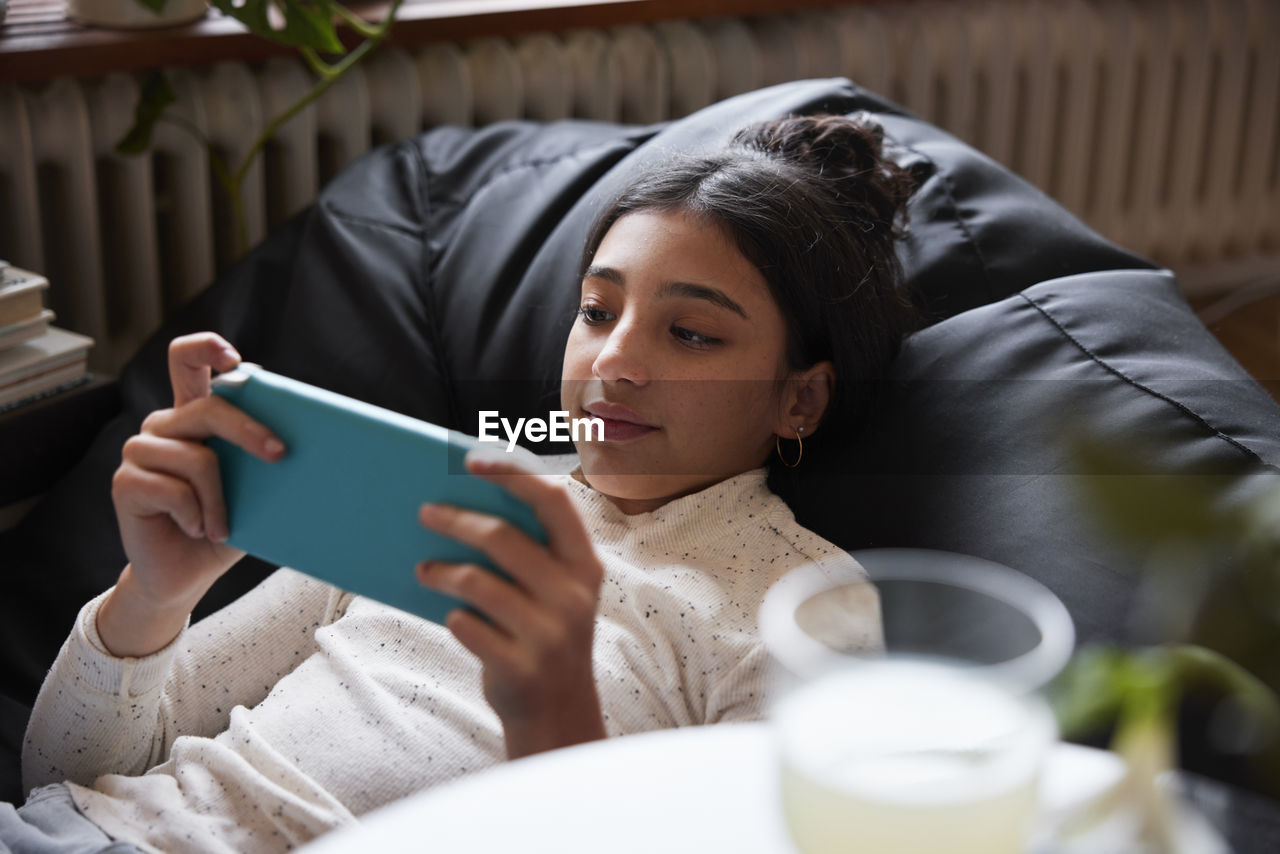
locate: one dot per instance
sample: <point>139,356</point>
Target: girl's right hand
<point>168,500</point>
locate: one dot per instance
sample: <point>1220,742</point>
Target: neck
<point>630,506</point>
<point>636,506</point>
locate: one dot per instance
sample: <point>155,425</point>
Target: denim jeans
<point>49,823</point>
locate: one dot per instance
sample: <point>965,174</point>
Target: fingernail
<point>218,534</point>
<point>429,512</point>
<point>274,447</point>
<point>485,458</point>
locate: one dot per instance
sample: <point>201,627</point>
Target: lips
<point>620,422</point>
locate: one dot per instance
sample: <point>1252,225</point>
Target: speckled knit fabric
<point>300,707</point>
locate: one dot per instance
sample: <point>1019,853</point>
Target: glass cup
<point>934,742</point>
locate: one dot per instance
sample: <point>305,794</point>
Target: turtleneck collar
<point>699,516</point>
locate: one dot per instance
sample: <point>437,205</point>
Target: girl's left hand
<point>536,651</point>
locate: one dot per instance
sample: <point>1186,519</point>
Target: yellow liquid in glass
<point>909,757</point>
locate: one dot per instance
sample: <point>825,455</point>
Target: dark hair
<point>815,204</point>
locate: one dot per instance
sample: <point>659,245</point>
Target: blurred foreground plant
<point>1208,602</point>
<point>1137,693</point>
<point>308,25</point>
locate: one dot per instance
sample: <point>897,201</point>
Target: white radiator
<point>1156,121</point>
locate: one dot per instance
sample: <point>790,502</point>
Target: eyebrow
<point>672,289</point>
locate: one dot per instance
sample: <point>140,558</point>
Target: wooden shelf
<point>39,42</point>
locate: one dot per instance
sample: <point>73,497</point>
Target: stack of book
<point>36,359</point>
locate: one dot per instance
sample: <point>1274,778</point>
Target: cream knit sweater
<point>299,707</point>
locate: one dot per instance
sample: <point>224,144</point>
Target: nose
<point>623,356</point>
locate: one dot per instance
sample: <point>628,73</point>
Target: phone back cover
<point>342,505</point>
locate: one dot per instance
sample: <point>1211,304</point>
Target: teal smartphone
<point>342,505</point>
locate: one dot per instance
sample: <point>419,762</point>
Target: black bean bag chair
<point>437,277</point>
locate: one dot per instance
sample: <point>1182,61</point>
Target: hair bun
<point>847,154</point>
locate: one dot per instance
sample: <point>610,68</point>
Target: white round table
<point>697,789</point>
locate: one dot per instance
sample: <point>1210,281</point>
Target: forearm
<point>128,711</point>
<point>132,625</point>
<point>95,714</point>
<point>578,720</point>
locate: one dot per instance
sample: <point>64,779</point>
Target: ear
<point>805,397</point>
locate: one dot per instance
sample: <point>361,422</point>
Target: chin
<point>619,472</point>
<point>644,487</point>
<point>633,487</point>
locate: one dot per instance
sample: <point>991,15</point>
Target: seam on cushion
<point>428,293</point>
<point>537,163</point>
<point>949,189</point>
<point>337,213</point>
<point>420,163</point>
<point>968,234</point>
<point>1181,407</point>
<point>331,207</point>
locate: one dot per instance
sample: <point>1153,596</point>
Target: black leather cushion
<point>969,449</point>
<point>13,722</point>
<point>437,277</point>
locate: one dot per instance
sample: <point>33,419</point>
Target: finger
<point>214,416</point>
<point>192,360</point>
<point>567,536</point>
<point>498,599</point>
<point>143,493</point>
<point>486,642</point>
<point>528,563</point>
<point>191,462</point>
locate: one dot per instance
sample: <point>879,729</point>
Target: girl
<point>729,305</point>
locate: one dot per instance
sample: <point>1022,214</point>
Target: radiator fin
<point>1156,121</point>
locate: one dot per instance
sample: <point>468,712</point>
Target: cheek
<point>726,410</point>
<point>578,356</point>
<point>758,405</point>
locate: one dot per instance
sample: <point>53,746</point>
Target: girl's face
<point>679,347</point>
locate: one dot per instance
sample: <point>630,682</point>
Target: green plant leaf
<point>1088,695</point>
<point>1104,684</point>
<point>156,6</point>
<point>1144,504</point>
<point>307,23</point>
<point>157,95</point>
<point>310,23</point>
<point>1196,664</point>
<point>251,13</point>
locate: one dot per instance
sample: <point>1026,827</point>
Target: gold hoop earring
<point>777,444</point>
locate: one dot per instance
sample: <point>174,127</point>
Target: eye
<point>594,316</point>
<point>693,339</point>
